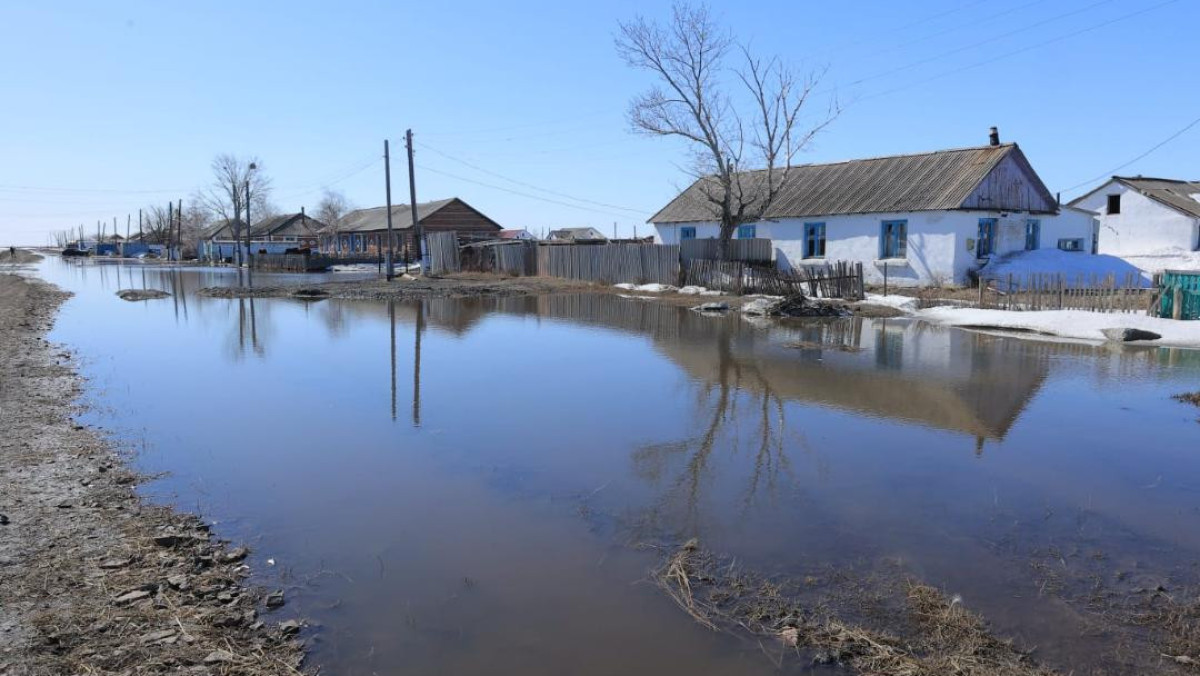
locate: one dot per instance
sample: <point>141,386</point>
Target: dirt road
<point>92,579</point>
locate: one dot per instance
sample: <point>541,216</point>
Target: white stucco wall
<point>1144,226</point>
<point>940,243</point>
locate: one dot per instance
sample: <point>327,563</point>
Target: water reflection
<point>542,429</point>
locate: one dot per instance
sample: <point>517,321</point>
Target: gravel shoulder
<point>92,579</point>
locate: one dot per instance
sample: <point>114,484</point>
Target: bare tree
<point>332,208</point>
<point>693,101</point>
<point>157,224</point>
<point>225,197</point>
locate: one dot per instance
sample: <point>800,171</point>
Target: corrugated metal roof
<point>275,224</point>
<point>925,182</point>
<point>222,229</point>
<point>1173,193</point>
<point>375,218</point>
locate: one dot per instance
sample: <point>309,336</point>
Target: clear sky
<point>518,107</point>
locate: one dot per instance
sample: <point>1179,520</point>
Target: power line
<point>528,185</point>
<point>519,193</point>
<point>973,45</point>
<point>1015,52</point>
<point>1114,170</point>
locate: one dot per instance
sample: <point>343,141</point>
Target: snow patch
<point>1074,324</point>
<point>904,303</point>
<point>1077,269</point>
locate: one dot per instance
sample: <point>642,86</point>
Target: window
<point>1033,234</point>
<point>687,232</point>
<point>893,239</point>
<point>985,244</point>
<point>814,240</point>
<point>1070,244</point>
<point>1114,204</point>
<point>747,231</point>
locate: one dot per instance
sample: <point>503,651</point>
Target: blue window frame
<point>893,239</point>
<point>687,232</point>
<point>814,240</point>
<point>747,231</point>
<point>1033,234</point>
<point>985,245</point>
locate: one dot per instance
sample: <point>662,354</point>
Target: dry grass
<point>938,635</point>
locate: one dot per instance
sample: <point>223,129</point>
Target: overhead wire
<point>478,168</point>
<point>1114,170</point>
<point>519,193</point>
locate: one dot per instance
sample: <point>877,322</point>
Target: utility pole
<point>391,257</point>
<point>418,231</point>
<point>249,170</point>
<point>179,227</point>
<point>170,229</point>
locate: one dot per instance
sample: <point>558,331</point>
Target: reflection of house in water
<point>946,379</point>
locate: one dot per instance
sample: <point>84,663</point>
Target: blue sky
<point>115,105</point>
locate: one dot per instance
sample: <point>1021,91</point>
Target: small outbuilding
<point>1142,216</point>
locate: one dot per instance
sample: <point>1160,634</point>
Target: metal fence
<point>744,250</point>
<point>1178,294</point>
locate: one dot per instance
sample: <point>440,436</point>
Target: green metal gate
<point>1188,284</point>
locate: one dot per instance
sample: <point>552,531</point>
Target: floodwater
<point>461,486</point>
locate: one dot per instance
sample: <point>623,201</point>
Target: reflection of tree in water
<point>717,404</point>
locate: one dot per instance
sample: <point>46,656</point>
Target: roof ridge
<point>927,153</point>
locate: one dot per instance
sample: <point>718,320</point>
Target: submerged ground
<point>521,484</point>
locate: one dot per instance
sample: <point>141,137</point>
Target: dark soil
<point>92,579</point>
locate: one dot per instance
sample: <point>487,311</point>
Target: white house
<point>929,218</point>
<point>576,235</point>
<point>1140,216</point>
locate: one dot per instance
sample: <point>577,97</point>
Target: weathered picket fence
<point>836,280</point>
<point>1059,292</point>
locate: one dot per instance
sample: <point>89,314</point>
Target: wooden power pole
<point>391,257</point>
<point>418,231</point>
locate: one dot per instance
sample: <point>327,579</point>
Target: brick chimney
<point>994,136</point>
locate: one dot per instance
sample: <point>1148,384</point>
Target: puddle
<point>460,485</point>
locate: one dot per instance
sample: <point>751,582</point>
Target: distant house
<point>298,228</point>
<point>927,218</point>
<point>224,231</point>
<point>1140,215</point>
<point>576,235</point>
<point>517,234</point>
<point>365,230</point>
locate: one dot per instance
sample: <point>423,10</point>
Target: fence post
<point>1177,303</point>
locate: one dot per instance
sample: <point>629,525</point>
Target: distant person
<point>12,252</point>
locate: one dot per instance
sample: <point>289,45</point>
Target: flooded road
<point>482,485</point>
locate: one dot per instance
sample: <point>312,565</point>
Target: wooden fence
<point>837,280</point>
<point>611,263</point>
<point>519,259</point>
<point>1059,292</point>
<point>744,250</point>
<point>443,252</point>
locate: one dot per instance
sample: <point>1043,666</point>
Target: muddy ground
<point>92,579</point>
